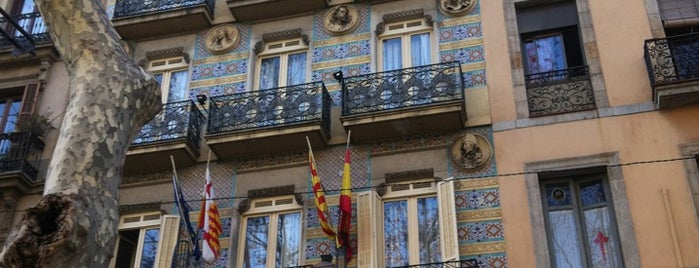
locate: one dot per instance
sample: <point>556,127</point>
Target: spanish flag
<point>345,223</point>
<point>319,193</point>
<point>210,223</point>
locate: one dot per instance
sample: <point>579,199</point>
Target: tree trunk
<point>111,97</point>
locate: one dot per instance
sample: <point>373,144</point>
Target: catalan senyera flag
<point>319,193</point>
<point>210,223</point>
<point>345,223</point>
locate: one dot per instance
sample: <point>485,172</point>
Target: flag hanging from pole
<point>209,222</point>
<point>184,209</point>
<point>319,193</point>
<point>345,223</point>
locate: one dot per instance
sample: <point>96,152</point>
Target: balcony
<point>561,91</point>
<point>175,131</point>
<point>256,10</point>
<point>673,68</point>
<point>423,99</point>
<point>20,156</point>
<point>135,19</point>
<point>33,24</point>
<point>269,121</point>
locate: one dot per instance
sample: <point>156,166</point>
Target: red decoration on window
<point>600,240</point>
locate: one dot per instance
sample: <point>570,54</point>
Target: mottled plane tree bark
<point>111,97</point>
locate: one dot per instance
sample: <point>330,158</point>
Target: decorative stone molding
<point>271,191</point>
<point>279,36</point>
<point>221,39</point>
<point>146,176</point>
<point>244,206</point>
<point>273,161</point>
<point>135,208</point>
<point>455,8</point>
<point>340,19</point>
<point>471,151</point>
<point>401,16</point>
<point>164,53</point>
<point>299,199</point>
<point>381,189</point>
<point>403,176</point>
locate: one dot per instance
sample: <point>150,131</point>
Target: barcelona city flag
<point>210,223</point>
<point>319,193</point>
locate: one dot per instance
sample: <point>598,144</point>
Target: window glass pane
<point>288,240</point>
<point>428,226</point>
<point>558,195</point>
<point>600,238</point>
<point>178,86</point>
<point>13,116</point>
<point>545,54</point>
<point>255,254</point>
<point>269,73</point>
<point>564,239</point>
<point>395,232</point>
<point>392,54</point>
<point>592,193</point>
<point>150,248</point>
<point>296,69</point>
<point>420,49</point>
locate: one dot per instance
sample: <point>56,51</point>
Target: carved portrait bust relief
<point>471,151</point>
<point>456,7</point>
<point>221,38</point>
<point>340,19</point>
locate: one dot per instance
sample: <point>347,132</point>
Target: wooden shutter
<point>29,100</point>
<point>369,231</point>
<point>447,220</point>
<point>169,236</point>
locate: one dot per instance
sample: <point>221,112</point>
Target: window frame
<point>166,67</point>
<point>282,50</point>
<point>143,224</point>
<point>404,33</point>
<point>272,211</point>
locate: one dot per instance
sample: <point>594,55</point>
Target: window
<point>282,63</point>
<point>553,44</point>
<point>144,241</point>
<point>417,221</point>
<point>15,103</point>
<point>580,222</point>
<point>171,73</point>
<point>30,21</point>
<point>271,234</point>
<point>405,44</point>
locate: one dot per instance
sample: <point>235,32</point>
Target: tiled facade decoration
<point>461,39</point>
<point>350,52</point>
<point>215,75</point>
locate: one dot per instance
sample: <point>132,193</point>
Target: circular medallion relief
<point>471,151</point>
<point>221,38</point>
<point>456,7</point>
<point>340,19</point>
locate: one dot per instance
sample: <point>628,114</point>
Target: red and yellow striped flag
<point>345,223</point>
<point>319,193</point>
<point>211,224</point>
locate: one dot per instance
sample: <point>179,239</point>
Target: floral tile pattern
<point>485,231</point>
<point>219,69</point>
<point>477,199</point>
<point>464,55</point>
<point>460,32</point>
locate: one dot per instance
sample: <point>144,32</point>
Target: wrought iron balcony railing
<point>270,108</point>
<point>32,23</point>
<point>20,152</point>
<point>672,59</point>
<point>128,8</point>
<point>560,91</point>
<point>410,87</point>
<point>469,263</point>
<point>177,120</point>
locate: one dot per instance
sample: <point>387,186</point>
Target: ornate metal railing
<point>32,23</point>
<point>270,108</point>
<point>672,59</point>
<point>127,8</point>
<point>390,90</point>
<point>177,120</point>
<point>560,91</point>
<point>470,263</point>
<point>20,152</point>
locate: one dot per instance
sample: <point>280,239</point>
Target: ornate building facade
<point>575,145</point>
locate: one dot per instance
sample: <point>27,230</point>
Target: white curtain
<point>288,240</point>
<point>392,54</point>
<point>269,73</point>
<point>178,86</point>
<point>296,69</point>
<point>420,49</point>
<point>545,54</point>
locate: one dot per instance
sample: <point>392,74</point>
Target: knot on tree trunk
<point>49,232</point>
